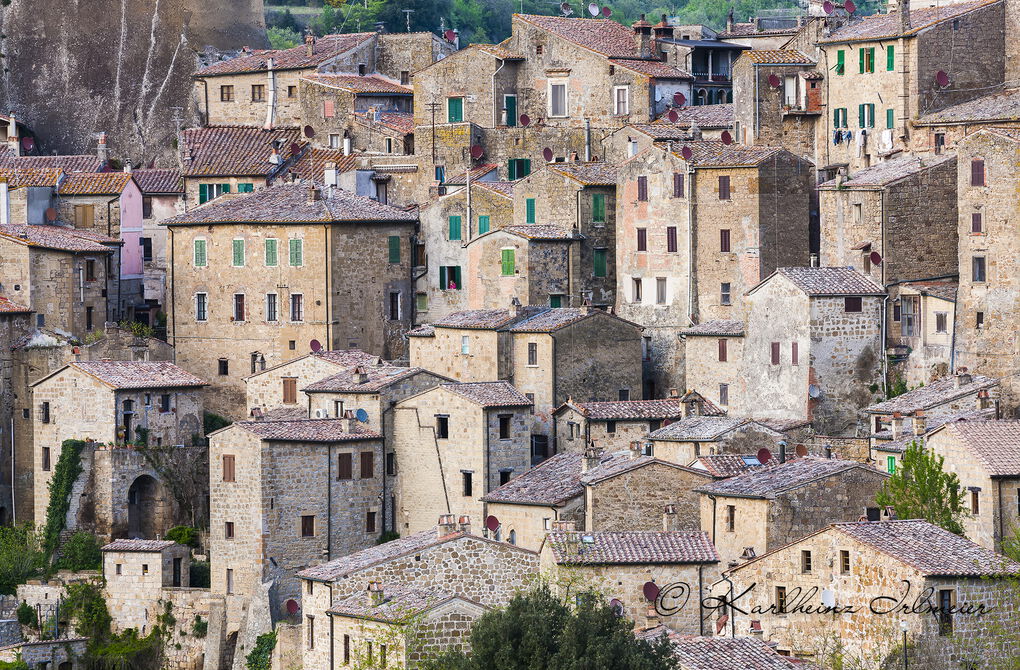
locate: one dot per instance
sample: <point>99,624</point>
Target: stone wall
<point>136,581</point>
<point>635,500</point>
<point>706,374</point>
<point>443,353</point>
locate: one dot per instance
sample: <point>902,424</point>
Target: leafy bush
<point>14,665</point>
<point>65,472</point>
<point>199,627</point>
<point>198,575</point>
<point>185,535</point>
<point>283,38</point>
<point>261,654</point>
<point>212,422</point>
<point>85,605</point>
<point>388,536</point>
<point>137,329</point>
<point>27,615</point>
<point>81,552</point>
<point>128,651</point>
<point>20,556</point>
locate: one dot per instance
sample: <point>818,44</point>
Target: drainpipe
<point>690,244</point>
<point>329,504</point>
<point>952,341</point>
<point>713,499</point>
<point>732,612</point>
<point>173,291</point>
<point>998,490</point>
<point>470,228</point>
<point>495,107</point>
<point>587,139</point>
<point>271,102</point>
<point>757,103</point>
<point>326,297</point>
<point>14,507</point>
<point>701,600</point>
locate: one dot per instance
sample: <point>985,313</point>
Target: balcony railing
<point>721,77</point>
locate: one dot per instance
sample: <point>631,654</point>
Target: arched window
<point>512,539</point>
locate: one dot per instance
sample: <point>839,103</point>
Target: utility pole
<point>407,13</point>
<point>433,106</point>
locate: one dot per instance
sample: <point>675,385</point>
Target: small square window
<point>308,525</point>
<point>852,303</point>
<point>805,562</point>
<point>442,427</point>
<point>145,568</point>
<point>844,561</point>
<point>120,569</point>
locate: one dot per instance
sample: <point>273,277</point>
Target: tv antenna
<point>407,14</point>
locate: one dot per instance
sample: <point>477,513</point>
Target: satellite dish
<point>814,391</point>
<point>525,120</point>
<point>315,346</point>
<point>850,7</point>
<point>28,143</point>
<point>764,456</point>
<point>673,116</point>
<point>606,12</point>
<point>492,523</point>
<point>547,154</point>
<point>292,607</point>
<point>726,137</point>
<point>774,81</point>
<point>828,598</point>
<point>942,79</point>
<point>51,214</point>
<point>294,148</point>
<point>686,153</point>
<point>666,422</point>
<point>616,606</point>
<point>828,7</point>
<point>594,10</point>
<point>876,258</point>
<point>801,451</point>
<point>449,36</point>
<point>361,415</point>
<point>679,99</point>
<point>565,9</point>
<point>650,590</point>
<point>309,131</point>
<point>477,151</point>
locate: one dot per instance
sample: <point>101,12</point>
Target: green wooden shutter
<point>598,207</point>
<point>890,464</point>
<point>455,110</point>
<point>225,188</point>
<point>455,271</point>
<point>203,193</point>
<point>526,167</point>
<point>600,263</point>
<point>871,59</point>
<point>508,262</point>
<point>840,62</point>
<point>555,301</point>
<point>483,223</point>
<point>272,253</point>
<point>295,253</point>
<point>200,257</point>
<point>861,56</point>
<point>455,227</point>
<point>860,115</point>
<point>442,277</point>
<point>529,210</point>
<point>511,169</point>
<point>889,118</point>
<point>394,248</point>
<point>238,253</point>
<point>890,58</point>
<point>871,115</point>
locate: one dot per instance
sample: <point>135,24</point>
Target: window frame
<point>551,87</point>
<point>297,308</point>
<point>201,307</point>
<point>618,108</point>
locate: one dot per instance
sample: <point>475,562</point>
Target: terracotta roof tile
<point>730,465</point>
<point>701,428</point>
<point>377,379</point>
<point>944,289</point>
<point>289,203</point>
<point>19,177</point>
<point>484,319</point>
<point>938,392</point>
<point>369,83</point>
<point>552,482</point>
<point>424,330</point>
<point>477,173</point>
<point>885,443</point>
<point>541,231</point>
<point>401,604</point>
<point>503,188</point>
<point>625,461</point>
<point>1001,106</point>
<point>139,374</point>
<point>637,410</point>
<point>216,151</point>
<point>779,57</point>
<point>931,550</point>
<point>306,430</point>
<point>890,171</point>
<point>603,36</point>
<point>157,181</point>
<point>751,29</point>
<point>705,116</point>
<point>996,444</point>
<point>722,653</point>
<point>713,153</point>
<point>552,319</point>
<point>325,48</point>
<point>401,122</point>
<point>660,131</point>
<point>655,69</point>
<point>831,281</point>
<point>8,306</point>
<point>490,394</point>
<point>595,173</point>
<point>72,163</point>
<point>311,166</point>
<point>138,545</point>
<point>95,183</point>
<point>716,327</point>
<point>348,357</point>
<point>59,238</point>
<point>771,481</point>
<point>883,26</point>
<point>632,547</point>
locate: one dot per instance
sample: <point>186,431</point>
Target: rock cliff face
<point>73,68</point>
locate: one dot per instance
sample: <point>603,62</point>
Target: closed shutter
<point>203,193</point>
<point>328,109</point>
<point>454,226</point>
<point>272,252</point>
<point>455,110</point>
<point>296,253</point>
<point>671,239</point>
<point>483,224</point>
<point>861,120</point>
<point>722,351</point>
<point>598,208</point>
<point>890,58</point>
<point>394,248</point>
<point>529,210</point>
<point>835,118</point>
<point>238,253</point>
<point>200,256</point>
<point>975,222</point>
<point>228,468</point>
<point>289,391</point>
<point>678,184</point>
<point>890,118</point>
<point>642,239</point>
<point>600,262</point>
<point>977,172</point>
<point>862,57</point>
<point>642,189</point>
<point>724,188</point>
<point>367,465</point>
<point>871,114</point>
<point>511,169</point>
<point>224,188</point>
<point>507,262</point>
<point>775,353</point>
<point>455,275</point>
<point>794,353</point>
<point>525,167</point>
<point>344,466</point>
<point>840,62</point>
<point>724,240</point>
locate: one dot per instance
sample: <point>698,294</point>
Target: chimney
<point>643,37</point>
<point>330,175</point>
<point>670,519</point>
<point>350,422</point>
<point>13,141</point>
<point>897,425</point>
<point>592,457</point>
<point>309,42</point>
<point>814,260</point>
<point>128,168</point>
<point>573,542</point>
<point>447,525</point>
<point>962,378</point>
<point>920,423</point>
<point>313,194</point>
<point>695,131</point>
<point>376,595</point>
<point>635,448</point>
<point>464,524</point>
<point>729,21</point>
<point>101,151</point>
<point>360,375</point>
<point>674,393</point>
<point>782,451</point>
<point>651,618</point>
<point>515,306</point>
<point>983,399</point>
<point>904,9</point>
<point>563,526</point>
<point>661,31</point>
<point>828,451</point>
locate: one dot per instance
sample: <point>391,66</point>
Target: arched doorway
<point>146,508</point>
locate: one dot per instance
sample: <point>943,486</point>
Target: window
<point>890,118</point>
<point>228,467</point>
<point>200,259</point>
<point>238,307</point>
<point>976,224</point>
<point>979,320</point>
<point>119,568</point>
<point>483,224</point>
<point>391,464</point>
<point>370,522</point>
<point>623,394</point>
<point>347,649</point>
<point>442,427</point>
<point>867,60</point>
<point>504,426</point>
<point>852,303</point>
<point>890,464</point>
<point>642,189</point>
<point>207,192</point>
<point>636,292</point>
<point>977,269</point>
<point>557,99</point>
<point>226,93</point>
<point>46,464</point>
<point>367,464</point>
<point>334,140</point>
<point>292,91</point>
<point>840,62</point>
<point>908,311</point>
<point>794,353</point>
<point>389,145</point>
<point>941,322</point>
<point>678,184</point>
<point>805,561</point>
<point>621,100</point>
<point>230,581</point>
<point>890,58</point>
<point>296,253</point>
<point>344,464</point>
<point>940,142</point>
<point>297,307</point>
<point>844,561</point>
<point>328,109</point>
<point>238,255</point>
<point>90,270</point>
<point>258,92</point>
<point>146,244</point>
<point>223,367</point>
<point>310,622</point>
<point>598,207</point>
<point>731,518</point>
<point>529,210</point>
<point>271,307</point>
<point>724,188</point>
<point>454,110</point>
<point>228,530</point>
<point>866,115</point>
<point>532,353</point>
<point>599,261</point>
<point>642,239</point>
<point>449,277</point>
<point>465,344</point>
<point>164,403</point>
<point>945,610</point>
<point>671,239</point>
<point>272,252</point>
<point>610,427</point>
<point>780,600</point>
<point>507,262</point>
<point>975,502</point>
<point>660,290</point>
<point>421,302</point>
<point>724,293</point>
<point>405,77</point>
<point>977,172</point>
<point>145,568</point>
<point>722,350</point>
<point>775,353</point>
<point>89,318</point>
<point>454,226</point>
<point>289,390</point>
<point>724,394</point>
<point>724,240</point>
<point>556,300</point>
<point>467,484</point>
<point>504,476</point>
<point>308,525</point>
<point>518,168</point>
<point>839,117</point>
<point>394,305</point>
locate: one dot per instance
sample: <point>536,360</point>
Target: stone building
<point>279,269</point>
<point>284,495</point>
<point>985,455</point>
<point>813,347</point>
<point>65,654</point>
<point>720,653</point>
<point>614,425</point>
<point>680,566</point>
<point>710,120</point>
<point>919,329</point>
<point>713,356</point>
<point>446,558</point>
<point>943,130</point>
<point>136,572</point>
<point>66,276</point>
<point>688,439</point>
<point>15,322</point>
<point>344,110</point>
<point>930,403</point>
<point>271,388</point>
<point>987,295</point>
<point>763,509</point>
<point>694,234</point>
<point>458,441</point>
<point>894,221</point>
<point>866,569</point>
<point>26,193</point>
<point>162,198</point>
<point>723,466</point>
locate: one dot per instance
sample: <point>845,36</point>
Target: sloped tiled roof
<point>700,428</point>
<point>996,444</point>
<point>655,69</point>
<point>724,653</point>
<point>625,461</point>
<point>477,172</point>
<point>603,36</point>
<point>325,48</point>
<point>552,482</point>
<point>401,122</point>
<point>503,188</point>
<point>892,170</point>
<point>347,357</point>
<point>713,153</point>
<point>424,330</point>
<point>660,132</point>
<point>704,116</point>
<point>499,51</point>
<point>8,306</point>
<point>1001,106</point>
<point>484,319</point>
<point>490,394</point>
<point>311,166</point>
<point>58,237</point>
<point>933,551</point>
<point>779,57</point>
<point>378,378</point>
<point>595,173</point>
<point>306,430</point>
<point>726,327</point>
<point>216,151</point>
<point>884,26</point>
<point>939,288</point>
<point>751,29</point>
<point>68,164</point>
<point>401,603</point>
<point>769,482</point>
<point>938,392</point>
<point>730,465</point>
<point>831,281</point>
<point>552,319</point>
<point>138,545</point>
<point>139,374</point>
<point>885,443</point>
<point>637,410</point>
<point>632,548</point>
<point>20,177</point>
<point>95,183</point>
<point>541,232</point>
<point>289,203</point>
<point>370,83</point>
<point>159,181</point>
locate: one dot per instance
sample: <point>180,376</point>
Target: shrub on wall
<point>261,654</point>
<point>81,552</point>
<point>65,472</point>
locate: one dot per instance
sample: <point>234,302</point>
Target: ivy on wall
<point>65,472</point>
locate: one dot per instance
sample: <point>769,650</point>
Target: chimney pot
<point>376,594</point>
<point>464,524</point>
<point>313,194</point>
<point>563,526</point>
<point>447,525</point>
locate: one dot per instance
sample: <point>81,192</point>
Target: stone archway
<point>149,511</point>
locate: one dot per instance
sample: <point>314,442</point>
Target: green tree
<point>80,552</point>
<point>283,38</point>
<point>921,489</point>
<point>20,556</point>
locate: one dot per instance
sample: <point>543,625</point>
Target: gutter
<point>691,173</point>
